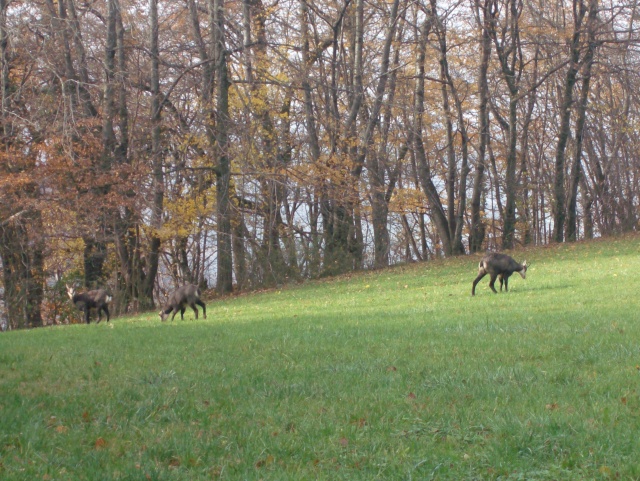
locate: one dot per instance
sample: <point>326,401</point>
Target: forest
<point>247,144</point>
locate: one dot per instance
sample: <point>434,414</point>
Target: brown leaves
<point>57,426</point>
<point>360,423</point>
<point>261,463</point>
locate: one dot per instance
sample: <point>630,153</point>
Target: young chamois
<point>98,299</point>
<point>498,266</point>
<point>187,295</point>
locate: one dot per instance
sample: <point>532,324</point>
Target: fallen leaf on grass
<point>362,422</point>
<point>265,462</point>
<point>606,470</point>
<point>100,443</point>
<point>552,406</point>
<point>61,429</point>
<point>344,442</point>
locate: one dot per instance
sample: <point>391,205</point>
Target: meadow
<point>392,375</point>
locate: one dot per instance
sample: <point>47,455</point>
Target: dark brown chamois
<point>98,299</point>
<point>498,266</point>
<point>187,295</point>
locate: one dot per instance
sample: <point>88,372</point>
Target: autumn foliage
<point>235,145</point>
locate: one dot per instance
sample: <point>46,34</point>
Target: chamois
<point>498,266</point>
<point>98,299</point>
<point>178,301</point>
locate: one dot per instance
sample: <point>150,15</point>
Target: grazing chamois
<point>498,266</point>
<point>98,299</point>
<point>187,295</point>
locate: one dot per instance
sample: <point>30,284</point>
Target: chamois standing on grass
<point>187,295</point>
<point>85,301</point>
<point>498,266</point>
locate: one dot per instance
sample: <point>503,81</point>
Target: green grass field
<point>396,374</point>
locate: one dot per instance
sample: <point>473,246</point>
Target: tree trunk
<point>508,49</point>
<point>223,171</point>
<point>153,256</point>
<point>559,212</point>
<point>572,224</point>
<point>423,168</point>
<point>477,234</point>
<point>21,229</point>
<point>379,202</point>
<point>457,201</point>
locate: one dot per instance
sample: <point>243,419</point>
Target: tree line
<point>245,144</point>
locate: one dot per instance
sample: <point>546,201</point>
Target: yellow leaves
<point>407,200</point>
<point>183,214</point>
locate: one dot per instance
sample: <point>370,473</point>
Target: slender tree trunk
<point>153,256</point>
<point>21,227</point>
<point>508,234</point>
<point>223,171</point>
<point>423,168</point>
<point>379,203</point>
<point>508,49</point>
<point>523,175</point>
<point>477,234</point>
<point>457,200</point>
<point>559,211</point>
<point>572,225</point>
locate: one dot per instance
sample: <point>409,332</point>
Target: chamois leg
<point>481,274</point>
<point>106,311</point>
<point>502,280</point>
<point>86,315</point>
<point>492,282</point>
<point>506,284</point>
<point>195,309</point>
<point>204,307</point>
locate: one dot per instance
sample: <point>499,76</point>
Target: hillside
<point>395,374</point>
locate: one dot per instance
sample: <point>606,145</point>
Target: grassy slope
<point>398,374</point>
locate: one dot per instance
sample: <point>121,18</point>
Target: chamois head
<point>523,272</point>
<point>71,291</point>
